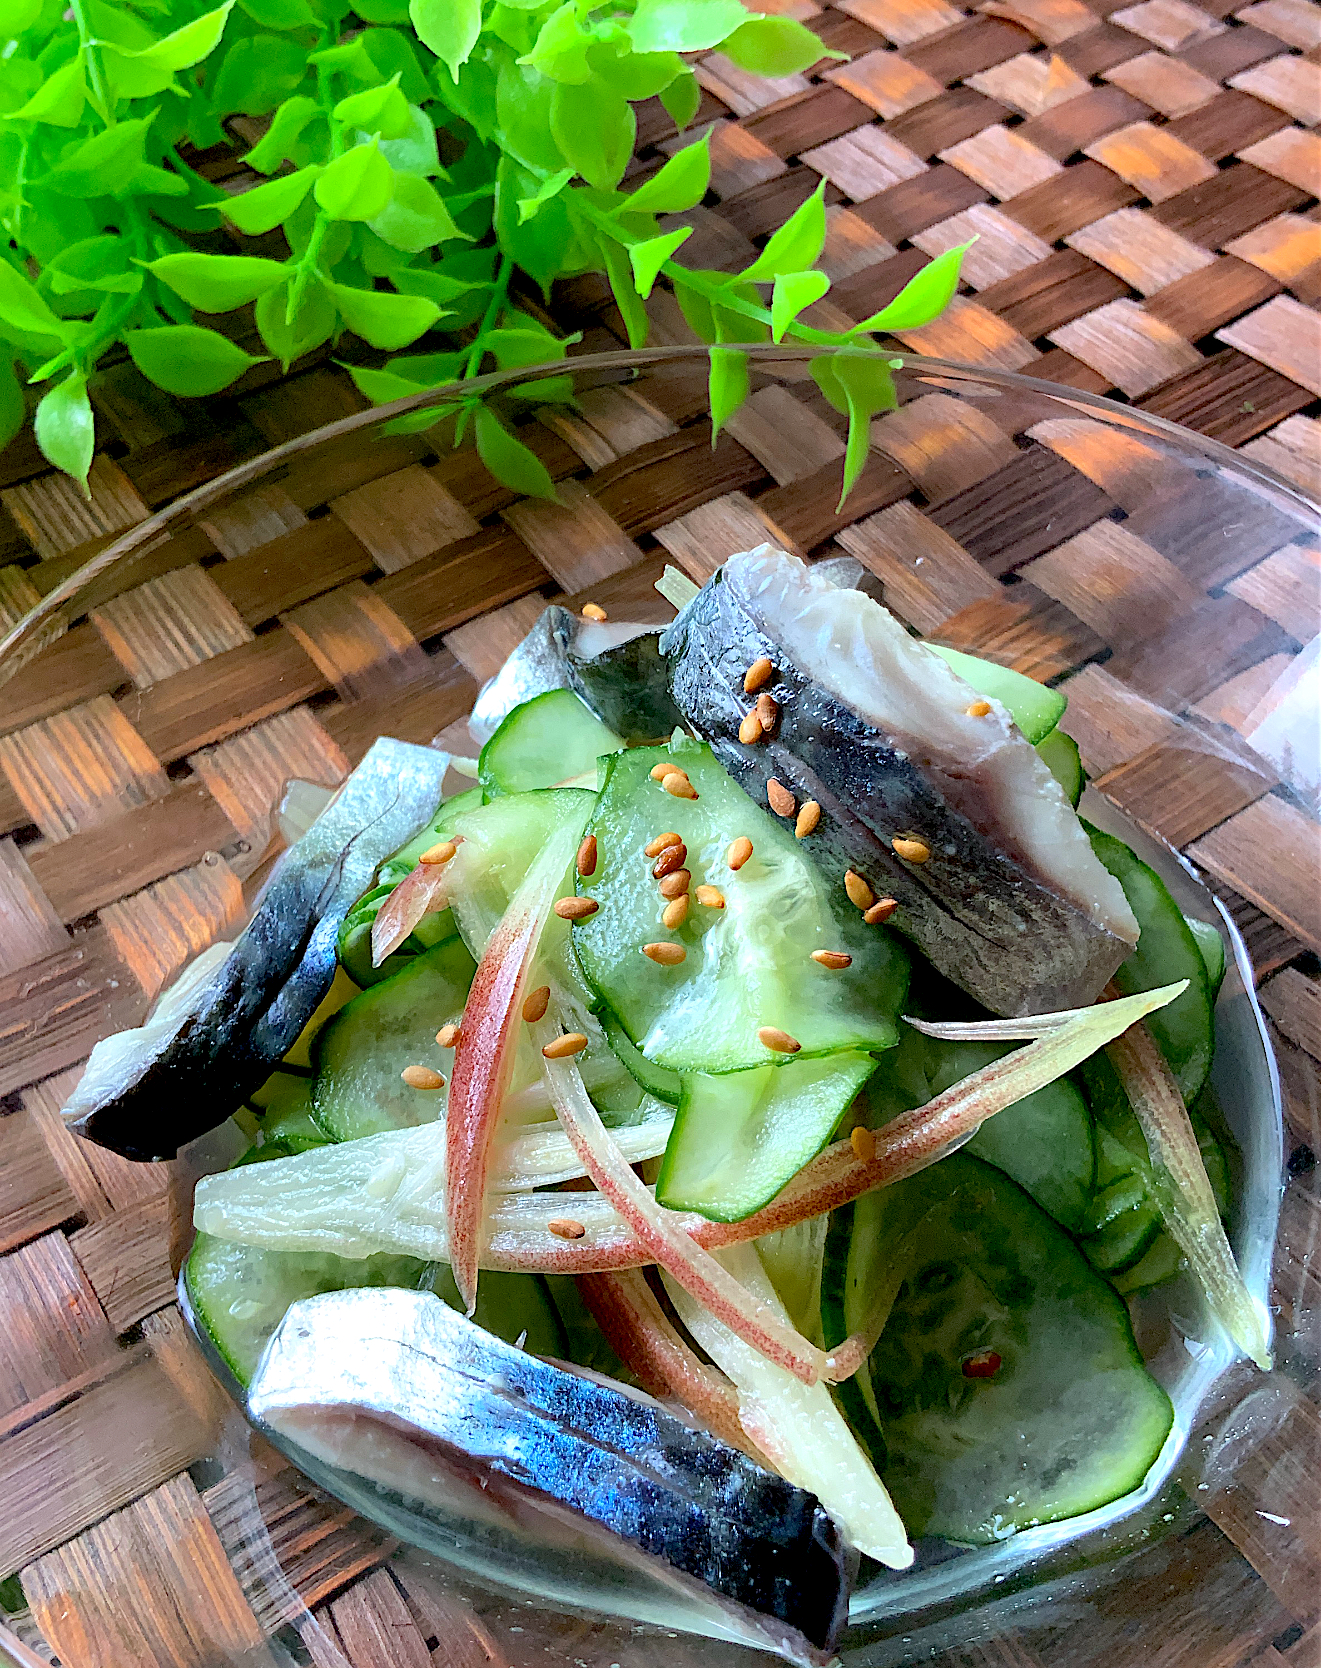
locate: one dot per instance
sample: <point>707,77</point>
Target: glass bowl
<point>1082,541</point>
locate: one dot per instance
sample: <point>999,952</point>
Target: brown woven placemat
<point>1142,182</point>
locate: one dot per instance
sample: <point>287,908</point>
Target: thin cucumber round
<point>1209,940</point>
<point>1007,1378</point>
<point>550,739</point>
<point>656,1080</point>
<point>747,952</point>
<point>285,1100</point>
<point>738,1138</point>
<point>506,836</point>
<point>1124,1239</point>
<point>1162,1260</point>
<point>241,1293</point>
<point>1167,951</point>
<point>358,1088</point>
<point>405,860</point>
<point>355,942</point>
<point>1060,754</point>
<point>1045,1141</point>
<point>1035,708</point>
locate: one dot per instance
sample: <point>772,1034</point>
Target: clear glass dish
<point>1057,458</point>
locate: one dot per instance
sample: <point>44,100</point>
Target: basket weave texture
<point>1142,184</point>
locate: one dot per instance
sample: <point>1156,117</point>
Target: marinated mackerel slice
<point>927,791</point>
<point>614,667</point>
<point>147,1092</point>
<point>397,1388</point>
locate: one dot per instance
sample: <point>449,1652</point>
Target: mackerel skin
<point>252,1010</point>
<point>615,669</point>
<point>1014,944</point>
<point>387,1383</point>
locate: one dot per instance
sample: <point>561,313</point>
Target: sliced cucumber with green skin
<point>1167,951</point>
<point>406,859</point>
<point>1067,1418</point>
<point>1035,708</point>
<point>506,836</point>
<point>656,1080</point>
<point>1162,1260</point>
<point>549,739</point>
<point>748,964</point>
<point>1124,1239</point>
<point>362,1051</point>
<point>1060,754</point>
<point>241,1293</point>
<point>502,838</point>
<point>1162,1257</point>
<point>286,1102</point>
<point>1127,1192</point>
<point>739,1137</point>
<point>1209,940</point>
<point>1045,1141</point>
<point>355,942</point>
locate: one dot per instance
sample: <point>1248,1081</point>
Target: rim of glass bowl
<point>137,538</point>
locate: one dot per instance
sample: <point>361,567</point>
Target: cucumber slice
<point>354,947</point>
<point>1070,1418</point>
<point>240,1294</point>
<point>1060,754</point>
<point>286,1100</point>
<point>748,964</point>
<point>405,860</point>
<point>1045,1141</point>
<point>355,941</point>
<point>1167,951</point>
<point>1035,708</point>
<point>358,1089</point>
<point>738,1138</point>
<point>507,834</point>
<point>1127,1193</point>
<point>1161,1261</point>
<point>655,1080</point>
<point>547,740</point>
<point>1162,1258</point>
<point>1124,1239</point>
<point>1213,947</point>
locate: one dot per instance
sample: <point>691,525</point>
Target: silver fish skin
<point>385,1383</point>
<point>251,1009</point>
<point>996,929</point>
<point>613,666</point>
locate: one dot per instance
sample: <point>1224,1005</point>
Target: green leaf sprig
<point>114,244</point>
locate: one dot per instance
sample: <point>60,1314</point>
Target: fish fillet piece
<point>1010,901</point>
<point>397,1387</point>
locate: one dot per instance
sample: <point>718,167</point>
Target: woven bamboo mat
<point>1142,182</point>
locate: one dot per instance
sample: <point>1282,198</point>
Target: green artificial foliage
<point>113,243</point>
